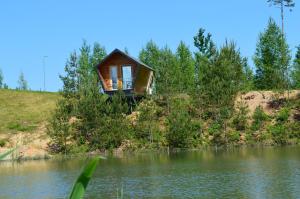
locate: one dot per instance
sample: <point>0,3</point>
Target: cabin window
<point>127,77</point>
<point>114,77</point>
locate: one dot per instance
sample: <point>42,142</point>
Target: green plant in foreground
<point>84,178</point>
<point>3,155</point>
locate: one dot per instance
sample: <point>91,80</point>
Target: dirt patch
<point>31,145</point>
<point>268,100</point>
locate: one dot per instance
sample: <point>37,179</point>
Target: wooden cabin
<point>119,71</point>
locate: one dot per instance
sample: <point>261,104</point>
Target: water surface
<point>235,173</point>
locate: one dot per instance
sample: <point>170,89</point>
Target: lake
<point>231,173</point>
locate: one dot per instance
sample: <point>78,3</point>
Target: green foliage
<point>60,128</point>
<point>186,69</point>
<point>233,136</point>
<point>240,119</point>
<point>70,81</point>
<point>272,59</point>
<point>110,126</point>
<point>147,122</point>
<point>279,133</point>
<point>215,130</point>
<point>167,68</point>
<point>84,116</point>
<point>220,78</point>
<point>182,130</point>
<point>173,72</point>
<point>3,142</point>
<point>205,45</point>
<point>84,178</point>
<point>194,93</point>
<point>248,77</point>
<point>283,115</point>
<point>259,118</point>
<point>296,70</point>
<point>23,85</point>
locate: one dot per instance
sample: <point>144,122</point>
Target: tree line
<point>194,98</point>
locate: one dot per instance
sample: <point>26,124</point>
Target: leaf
<point>3,155</point>
<point>84,178</point>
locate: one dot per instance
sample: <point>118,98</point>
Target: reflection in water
<point>238,173</point>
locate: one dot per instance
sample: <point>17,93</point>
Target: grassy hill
<point>24,111</point>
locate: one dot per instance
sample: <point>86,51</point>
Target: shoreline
<point>125,153</point>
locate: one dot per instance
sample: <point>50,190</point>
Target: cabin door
<point>114,77</point>
<point>127,77</point>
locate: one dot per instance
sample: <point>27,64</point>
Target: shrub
<point>259,117</point>
<point>147,122</point>
<point>2,142</point>
<point>215,129</point>
<point>279,133</point>
<point>240,120</point>
<point>283,115</point>
<point>181,128</point>
<point>59,129</point>
<point>233,136</point>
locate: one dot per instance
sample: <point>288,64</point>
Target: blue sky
<point>32,29</point>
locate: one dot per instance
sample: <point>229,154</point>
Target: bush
<point>240,121</point>
<point>215,129</point>
<point>233,136</point>
<point>147,122</point>
<point>283,115</point>
<point>182,130</point>
<point>2,142</point>
<point>60,129</point>
<point>279,134</point>
<point>259,118</point>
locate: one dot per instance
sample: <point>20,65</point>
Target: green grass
<point>24,110</point>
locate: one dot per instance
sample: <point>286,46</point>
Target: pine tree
<point>150,55</point>
<point>296,69</point>
<point>204,43</point>
<point>206,53</point>
<point>272,59</point>
<point>165,65</point>
<point>282,4</point>
<point>168,73</point>
<point>220,73</point>
<point>181,129</point>
<point>23,85</point>
<point>248,77</point>
<point>186,67</point>
<point>70,81</point>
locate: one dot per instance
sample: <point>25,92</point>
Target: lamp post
<point>44,71</point>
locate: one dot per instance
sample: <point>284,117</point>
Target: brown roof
<point>126,55</point>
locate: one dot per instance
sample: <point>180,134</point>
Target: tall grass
<point>84,178</point>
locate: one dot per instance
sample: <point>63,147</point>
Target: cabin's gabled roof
<point>116,51</point>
